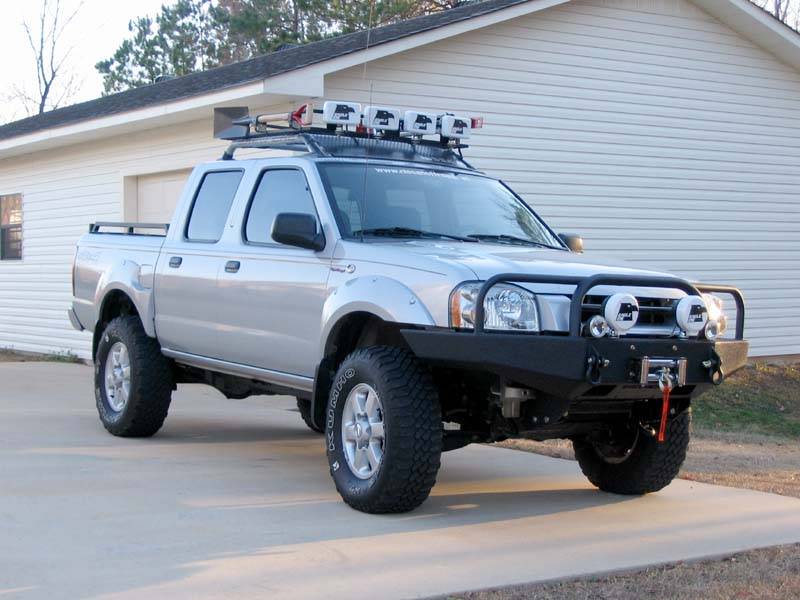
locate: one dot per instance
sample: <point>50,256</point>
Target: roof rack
<point>378,132</point>
<point>324,142</point>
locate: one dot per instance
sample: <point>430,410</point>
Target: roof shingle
<point>243,72</point>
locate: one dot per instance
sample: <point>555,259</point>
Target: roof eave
<point>758,26</point>
<point>302,83</point>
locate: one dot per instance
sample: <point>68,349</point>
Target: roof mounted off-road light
<point>339,113</point>
<point>455,127</point>
<point>345,121</point>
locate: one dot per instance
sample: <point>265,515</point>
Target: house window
<point>11,227</point>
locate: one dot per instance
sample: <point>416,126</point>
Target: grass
<point>11,355</point>
<point>746,433</point>
<point>767,574</point>
<point>759,399</point>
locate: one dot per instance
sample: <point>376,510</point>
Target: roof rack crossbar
<point>295,142</point>
<point>309,140</point>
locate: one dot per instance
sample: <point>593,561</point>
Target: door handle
<point>175,261</point>
<point>232,266</point>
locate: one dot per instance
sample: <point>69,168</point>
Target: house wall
<point>661,135</point>
<point>63,191</point>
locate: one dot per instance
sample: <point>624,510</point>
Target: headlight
<point>716,312</point>
<point>506,307</point>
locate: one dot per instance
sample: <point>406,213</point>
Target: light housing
<point>621,311</point>
<point>455,126</point>
<point>382,118</point>
<point>419,123</point>
<point>335,112</point>
<point>506,307</point>
<point>691,315</point>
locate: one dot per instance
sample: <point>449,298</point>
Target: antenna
<point>366,164</point>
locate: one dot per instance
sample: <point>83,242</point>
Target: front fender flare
<point>381,296</point>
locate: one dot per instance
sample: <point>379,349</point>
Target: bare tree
<point>56,84</point>
<point>787,11</point>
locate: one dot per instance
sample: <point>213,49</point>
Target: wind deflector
<point>229,122</point>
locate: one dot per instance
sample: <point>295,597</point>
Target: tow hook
<point>714,366</point>
<point>665,383</point>
<point>593,366</point>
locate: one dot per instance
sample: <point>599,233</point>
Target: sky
<point>94,34</point>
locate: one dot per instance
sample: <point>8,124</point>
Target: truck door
<point>187,298</point>
<point>273,294</point>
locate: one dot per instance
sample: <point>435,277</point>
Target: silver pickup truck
<point>410,303</point>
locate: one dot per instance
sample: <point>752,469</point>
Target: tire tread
<point>651,467</point>
<point>151,382</point>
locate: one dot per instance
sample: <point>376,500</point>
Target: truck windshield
<point>371,200</point>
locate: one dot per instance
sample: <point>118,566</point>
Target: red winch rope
<point>662,428</point>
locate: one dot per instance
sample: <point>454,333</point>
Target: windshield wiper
<point>409,232</point>
<point>510,239</point>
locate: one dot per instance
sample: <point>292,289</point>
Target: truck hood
<point>485,260</point>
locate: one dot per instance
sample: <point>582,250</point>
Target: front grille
<point>656,315</point>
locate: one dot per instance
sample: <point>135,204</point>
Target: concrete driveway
<point>233,499</point>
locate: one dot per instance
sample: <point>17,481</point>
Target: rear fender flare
<point>136,282</point>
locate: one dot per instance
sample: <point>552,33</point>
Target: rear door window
<point>211,205</point>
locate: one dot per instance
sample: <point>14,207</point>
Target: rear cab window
<point>211,205</point>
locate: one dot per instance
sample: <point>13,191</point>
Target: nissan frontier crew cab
<point>410,303</point>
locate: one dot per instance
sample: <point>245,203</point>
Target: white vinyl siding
<point>662,136</point>
<point>64,190</point>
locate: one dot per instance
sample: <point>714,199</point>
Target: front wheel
<point>383,431</point>
<point>635,463</point>
<point>132,380</point>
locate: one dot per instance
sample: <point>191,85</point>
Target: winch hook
<point>665,384</point>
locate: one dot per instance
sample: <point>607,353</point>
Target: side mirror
<point>573,241</point>
<point>298,229</point>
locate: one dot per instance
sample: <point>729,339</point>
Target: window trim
<point>186,237</point>
<point>252,198</point>
<point>20,226</point>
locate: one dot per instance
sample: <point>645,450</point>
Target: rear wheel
<point>133,380</point>
<point>634,462</point>
<point>383,431</point>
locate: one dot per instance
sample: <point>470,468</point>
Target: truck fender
<point>381,296</point>
<point>136,282</point>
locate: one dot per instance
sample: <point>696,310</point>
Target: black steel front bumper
<point>574,366</point>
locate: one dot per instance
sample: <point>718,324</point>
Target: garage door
<point>157,195</point>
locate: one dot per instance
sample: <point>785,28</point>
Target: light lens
<point>712,330</point>
<point>506,308</point>
<point>598,326</point>
<point>716,312</point>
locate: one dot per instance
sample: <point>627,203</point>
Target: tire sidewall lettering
<point>333,402</point>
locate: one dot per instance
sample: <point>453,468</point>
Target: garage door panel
<point>158,194</point>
